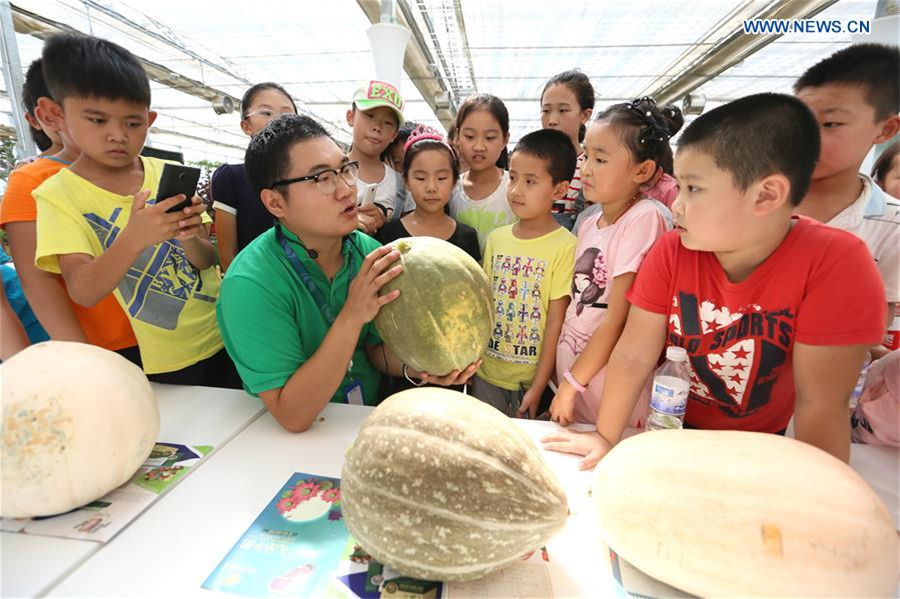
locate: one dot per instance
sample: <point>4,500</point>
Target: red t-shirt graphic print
<point>819,287</point>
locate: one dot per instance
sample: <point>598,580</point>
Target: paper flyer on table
<point>299,546</point>
<point>358,575</point>
<point>637,584</point>
<point>100,520</point>
<point>292,548</point>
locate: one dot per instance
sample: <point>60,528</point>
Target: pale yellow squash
<point>726,513</point>
<point>78,421</point>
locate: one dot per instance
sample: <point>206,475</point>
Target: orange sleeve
<point>18,205</point>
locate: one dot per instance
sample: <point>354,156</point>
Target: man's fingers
<point>382,279</point>
<point>372,257</point>
<point>388,297</point>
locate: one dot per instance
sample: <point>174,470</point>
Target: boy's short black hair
<point>555,148</point>
<point>33,88</point>
<point>758,136</point>
<point>268,156</point>
<point>82,66</point>
<point>874,67</point>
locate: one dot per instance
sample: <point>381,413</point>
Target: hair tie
<point>422,133</point>
<point>653,130</point>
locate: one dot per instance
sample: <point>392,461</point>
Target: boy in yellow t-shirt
<point>530,264</point>
<point>100,225</point>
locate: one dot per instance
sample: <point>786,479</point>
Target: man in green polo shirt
<point>297,304</point>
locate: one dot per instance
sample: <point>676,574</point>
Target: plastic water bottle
<point>671,385</point>
<point>860,382</point>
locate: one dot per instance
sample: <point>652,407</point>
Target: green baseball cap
<point>378,93</point>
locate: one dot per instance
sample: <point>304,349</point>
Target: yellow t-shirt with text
<point>525,274</point>
<point>170,303</point>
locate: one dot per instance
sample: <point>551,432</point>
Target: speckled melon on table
<point>440,486</point>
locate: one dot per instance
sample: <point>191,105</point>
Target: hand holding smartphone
<point>178,179</point>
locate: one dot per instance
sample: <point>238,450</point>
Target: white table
<point>880,467</point>
<point>188,532</point>
<point>31,564</point>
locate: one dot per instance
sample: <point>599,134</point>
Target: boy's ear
<point>151,118</point>
<point>350,117</point>
<point>274,202</point>
<point>50,113</point>
<point>32,121</point>
<point>889,128</point>
<point>560,189</point>
<point>770,193</point>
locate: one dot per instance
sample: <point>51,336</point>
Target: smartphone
<point>369,195</point>
<point>178,179</point>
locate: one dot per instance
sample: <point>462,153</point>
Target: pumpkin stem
<point>403,246</point>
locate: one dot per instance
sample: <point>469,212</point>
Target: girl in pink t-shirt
<point>623,148</point>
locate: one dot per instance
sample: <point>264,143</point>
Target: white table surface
<point>188,532</point>
<point>31,564</point>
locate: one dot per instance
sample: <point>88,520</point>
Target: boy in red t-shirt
<point>775,312</point>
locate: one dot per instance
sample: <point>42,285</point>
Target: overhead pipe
<point>733,47</point>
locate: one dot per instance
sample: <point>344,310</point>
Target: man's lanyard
<point>307,279</point>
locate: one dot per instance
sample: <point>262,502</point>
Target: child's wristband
<point>575,384</point>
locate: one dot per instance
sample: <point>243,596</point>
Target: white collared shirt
<point>875,218</point>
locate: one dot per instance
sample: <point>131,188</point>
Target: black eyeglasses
<point>326,180</point>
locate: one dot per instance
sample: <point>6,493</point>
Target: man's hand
<point>363,301</point>
<point>457,377</point>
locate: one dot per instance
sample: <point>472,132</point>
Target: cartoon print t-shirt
<point>600,256</point>
<point>526,274</point>
<point>170,303</point>
<point>819,287</point>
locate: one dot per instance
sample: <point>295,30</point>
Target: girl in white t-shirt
<point>567,103</point>
<point>623,147</point>
<point>479,199</point>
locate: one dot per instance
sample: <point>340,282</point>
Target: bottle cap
<point>676,354</point>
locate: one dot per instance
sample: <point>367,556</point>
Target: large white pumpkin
<point>78,421</point>
<point>727,513</point>
<point>440,486</point>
